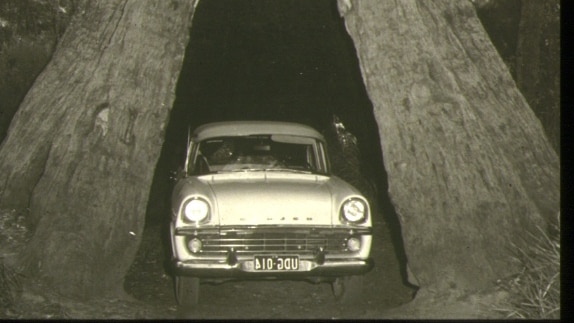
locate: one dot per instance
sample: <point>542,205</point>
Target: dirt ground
<point>150,295</point>
<point>148,282</point>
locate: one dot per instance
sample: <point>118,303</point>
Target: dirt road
<point>149,282</point>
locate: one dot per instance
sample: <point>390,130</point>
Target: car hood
<point>268,198</point>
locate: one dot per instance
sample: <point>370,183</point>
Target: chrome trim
<point>274,240</point>
<point>327,230</point>
<point>336,267</point>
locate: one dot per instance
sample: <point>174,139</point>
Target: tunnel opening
<point>276,60</point>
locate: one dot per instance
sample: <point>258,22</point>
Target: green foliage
<point>535,292</point>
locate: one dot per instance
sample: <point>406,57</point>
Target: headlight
<point>196,210</point>
<point>354,211</point>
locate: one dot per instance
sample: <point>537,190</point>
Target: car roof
<point>246,128</point>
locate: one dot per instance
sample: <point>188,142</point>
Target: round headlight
<point>354,211</point>
<point>196,210</point>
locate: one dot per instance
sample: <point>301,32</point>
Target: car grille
<point>274,243</point>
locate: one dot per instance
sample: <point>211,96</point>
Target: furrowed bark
<point>469,167</point>
<point>84,144</point>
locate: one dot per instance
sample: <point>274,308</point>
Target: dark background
<point>270,60</point>
<point>288,60</point>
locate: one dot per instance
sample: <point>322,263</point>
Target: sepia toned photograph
<point>280,159</point>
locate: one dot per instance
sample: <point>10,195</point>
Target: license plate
<point>283,263</point>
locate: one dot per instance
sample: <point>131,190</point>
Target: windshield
<point>259,153</point>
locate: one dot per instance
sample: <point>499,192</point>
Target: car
<point>257,200</point>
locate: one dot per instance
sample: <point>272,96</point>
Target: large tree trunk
<point>538,62</point>
<point>469,167</point>
<point>82,149</point>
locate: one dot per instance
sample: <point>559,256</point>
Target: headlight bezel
<point>354,204</point>
<point>198,205</point>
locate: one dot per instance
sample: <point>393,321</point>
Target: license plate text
<point>286,263</point>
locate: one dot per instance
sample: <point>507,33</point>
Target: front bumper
<point>230,252</point>
<point>244,269</point>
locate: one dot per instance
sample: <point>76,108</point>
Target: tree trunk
<point>538,63</point>
<point>82,149</point>
<point>469,167</point>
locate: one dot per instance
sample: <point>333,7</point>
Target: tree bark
<point>81,150</point>
<point>538,63</point>
<point>469,167</point>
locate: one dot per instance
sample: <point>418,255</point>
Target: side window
<point>211,155</point>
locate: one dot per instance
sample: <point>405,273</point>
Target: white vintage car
<point>256,200</point>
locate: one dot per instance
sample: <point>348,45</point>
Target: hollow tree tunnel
<point>271,60</point>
